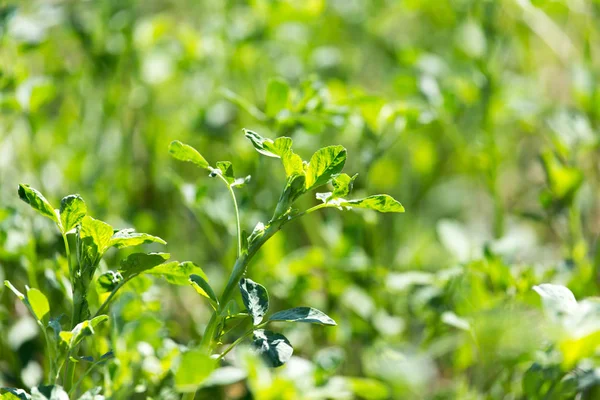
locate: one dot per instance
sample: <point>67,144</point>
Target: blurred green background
<point>480,117</point>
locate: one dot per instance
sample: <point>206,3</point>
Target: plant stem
<point>70,373</point>
<point>238,341</point>
<point>237,215</point>
<point>110,296</point>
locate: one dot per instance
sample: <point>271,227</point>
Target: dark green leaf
<point>378,202</point>
<point>184,152</point>
<point>255,298</point>
<point>14,394</point>
<point>37,201</point>
<point>303,314</point>
<point>277,97</point>
<point>72,211</point>
<point>325,163</point>
<point>137,263</point>
<point>203,288</point>
<point>194,368</point>
<point>108,281</point>
<point>275,349</point>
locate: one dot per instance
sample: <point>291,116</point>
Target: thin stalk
<point>70,373</point>
<point>110,296</point>
<point>49,354</point>
<point>86,373</point>
<point>232,345</point>
<point>237,214</point>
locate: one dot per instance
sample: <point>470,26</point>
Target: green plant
<point>94,237</point>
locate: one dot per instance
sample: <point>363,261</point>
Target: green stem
<point>238,341</point>
<point>86,373</point>
<point>237,215</point>
<point>110,296</point>
<point>70,373</point>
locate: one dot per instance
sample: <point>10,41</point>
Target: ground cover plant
<point>481,117</point>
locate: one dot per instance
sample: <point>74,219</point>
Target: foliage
<point>482,117</point>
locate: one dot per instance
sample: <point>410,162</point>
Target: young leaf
<point>72,211</point>
<point>255,298</point>
<point>267,146</point>
<point>184,152</point>
<point>177,273</point>
<point>37,201</point>
<point>203,288</point>
<point>275,349</point>
<point>226,170</point>
<point>38,303</point>
<point>303,314</point>
<point>195,366</point>
<point>137,263</point>
<point>129,237</point>
<point>342,185</point>
<point>294,188</point>
<point>378,202</point>
<point>93,239</point>
<point>278,93</point>
<point>292,163</point>
<point>325,163</point>
<point>82,330</point>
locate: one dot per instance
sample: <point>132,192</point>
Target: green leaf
<point>37,201</point>
<point>14,394</point>
<point>368,389</point>
<point>225,168</point>
<point>184,152</point>
<point>129,237</point>
<point>275,349</point>
<point>82,330</point>
<point>93,239</point>
<point>194,368</point>
<point>255,298</point>
<point>108,281</point>
<point>39,303</point>
<point>342,185</point>
<point>177,273</point>
<point>294,188</point>
<point>303,314</point>
<point>203,288</point>
<point>377,202</point>
<point>137,263</point>
<point>325,163</point>
<point>267,146</point>
<point>292,163</point>
<point>72,211</point>
<point>278,93</point>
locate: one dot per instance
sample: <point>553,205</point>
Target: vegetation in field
<point>207,199</point>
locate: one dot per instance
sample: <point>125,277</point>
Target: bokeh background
<point>480,117</point>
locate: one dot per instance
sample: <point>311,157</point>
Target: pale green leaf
<point>177,273</point>
<point>342,185</point>
<point>379,202</point>
<point>72,211</point>
<point>184,152</point>
<point>38,303</point>
<point>129,237</point>
<point>325,163</point>
<point>267,146</point>
<point>203,288</point>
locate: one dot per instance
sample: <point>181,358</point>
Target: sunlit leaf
<point>177,273</point>
<point>37,201</point>
<point>129,237</point>
<point>556,298</point>
<point>137,263</point>
<point>342,185</point>
<point>267,146</point>
<point>255,298</point>
<point>303,314</point>
<point>184,152</point>
<point>39,303</point>
<point>52,392</point>
<point>325,163</point>
<point>379,202</point>
<point>72,211</point>
<point>275,349</point>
